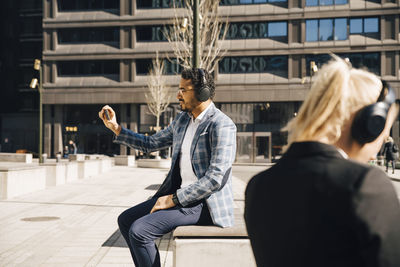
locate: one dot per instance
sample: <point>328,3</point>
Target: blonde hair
<point>337,93</point>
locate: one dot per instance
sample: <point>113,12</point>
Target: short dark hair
<point>194,75</point>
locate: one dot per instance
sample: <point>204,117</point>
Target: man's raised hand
<point>110,120</point>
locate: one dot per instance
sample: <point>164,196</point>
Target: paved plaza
<point>76,224</point>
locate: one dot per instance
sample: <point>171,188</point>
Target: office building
<point>98,52</point>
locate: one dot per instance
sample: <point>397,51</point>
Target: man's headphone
<point>202,90</point>
<point>370,121</point>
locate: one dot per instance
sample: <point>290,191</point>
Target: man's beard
<point>181,107</point>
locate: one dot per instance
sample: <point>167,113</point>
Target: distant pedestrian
<point>7,145</point>
<point>72,149</point>
<point>391,151</point>
<point>321,205</point>
<point>65,153</point>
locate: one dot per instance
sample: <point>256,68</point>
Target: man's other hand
<point>111,122</point>
<point>163,203</point>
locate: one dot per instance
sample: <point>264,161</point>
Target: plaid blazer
<point>213,151</point>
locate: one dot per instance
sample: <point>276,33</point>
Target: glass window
<point>341,29</point>
<point>69,5</point>
<point>159,3</point>
<point>247,30</point>
<point>151,33</point>
<point>371,25</point>
<point>247,2</point>
<point>277,29</point>
<point>311,2</point>
<point>325,30</point>
<point>275,65</point>
<point>88,35</point>
<point>325,2</point>
<point>356,26</point>
<point>312,30</point>
<point>371,61</point>
<point>96,67</point>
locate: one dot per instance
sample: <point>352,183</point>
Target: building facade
<point>21,42</point>
<point>98,52</point>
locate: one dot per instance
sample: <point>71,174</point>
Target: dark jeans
<point>140,229</point>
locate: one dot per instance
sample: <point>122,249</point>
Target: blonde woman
<point>321,205</point>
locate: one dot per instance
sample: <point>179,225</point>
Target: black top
<point>388,151</point>
<point>315,208</point>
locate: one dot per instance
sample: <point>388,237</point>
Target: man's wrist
<point>175,199</point>
<point>118,129</point>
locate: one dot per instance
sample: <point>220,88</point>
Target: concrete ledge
<point>18,181</point>
<point>106,164</point>
<point>55,173</point>
<point>76,157</point>
<point>71,171</point>
<point>125,160</point>
<point>213,246</point>
<point>154,163</point>
<point>213,252</point>
<point>88,168</point>
<point>14,157</point>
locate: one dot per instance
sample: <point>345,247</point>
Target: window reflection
<point>246,2</point>
<point>88,35</point>
<point>276,65</point>
<point>312,30</point>
<point>364,25</point>
<point>371,25</point>
<point>325,29</point>
<point>370,61</point>
<point>341,29</point>
<point>248,30</point>
<point>171,67</point>
<point>151,33</point>
<point>325,2</point>
<point>159,3</point>
<point>95,67</point>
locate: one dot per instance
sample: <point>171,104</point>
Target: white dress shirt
<point>187,174</point>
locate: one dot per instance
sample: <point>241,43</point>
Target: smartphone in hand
<point>107,114</point>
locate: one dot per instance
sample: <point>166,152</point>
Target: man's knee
<point>124,220</point>
<point>139,233</point>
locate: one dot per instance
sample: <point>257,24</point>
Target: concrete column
<point>53,72</point>
<point>134,118</point>
<point>47,122</point>
<point>54,8</point>
<point>54,42</point>
<point>123,118</point>
<point>133,70</point>
<point>383,63</point>
<point>58,142</point>
<point>290,67</point>
<point>133,37</point>
<point>133,7</point>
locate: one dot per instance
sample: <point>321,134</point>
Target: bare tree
<point>211,30</point>
<point>159,96</point>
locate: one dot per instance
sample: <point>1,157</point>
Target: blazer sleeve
<point>378,220</point>
<point>160,140</point>
<point>223,151</point>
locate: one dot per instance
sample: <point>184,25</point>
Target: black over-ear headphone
<point>202,91</point>
<point>370,121</point>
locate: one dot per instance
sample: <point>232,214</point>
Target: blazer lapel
<point>205,122</point>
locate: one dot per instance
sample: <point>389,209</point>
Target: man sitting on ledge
<point>198,187</point>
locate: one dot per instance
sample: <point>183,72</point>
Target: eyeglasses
<point>182,90</point>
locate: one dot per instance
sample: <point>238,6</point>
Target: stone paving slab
<point>75,224</point>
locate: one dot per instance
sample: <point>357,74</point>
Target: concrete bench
<point>154,163</point>
<point>76,157</point>
<point>212,246</point>
<point>16,157</point>
<point>125,160</point>
<point>19,180</point>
